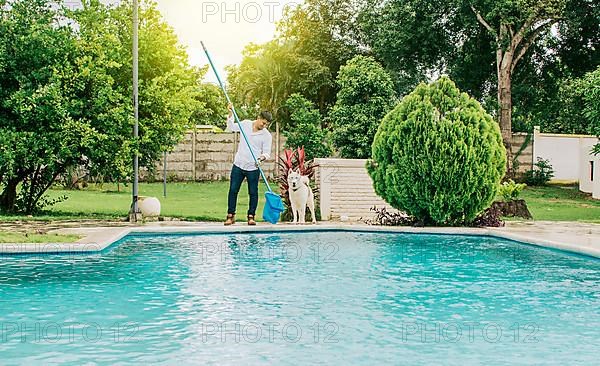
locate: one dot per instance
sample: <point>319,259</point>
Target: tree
<point>313,41</point>
<point>40,83</point>
<point>570,51</point>
<point>435,32</point>
<point>408,37</point>
<point>577,40</point>
<point>324,31</point>
<point>515,27</point>
<point>270,73</point>
<point>212,106</point>
<point>304,129</point>
<point>581,104</point>
<point>168,86</point>
<point>172,98</point>
<point>66,94</point>
<point>417,40</point>
<point>260,79</point>
<point>579,100</point>
<point>438,156</point>
<point>366,94</point>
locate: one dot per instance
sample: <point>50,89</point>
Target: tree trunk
<point>505,108</point>
<point>9,195</point>
<point>505,103</point>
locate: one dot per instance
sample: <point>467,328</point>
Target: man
<point>243,165</point>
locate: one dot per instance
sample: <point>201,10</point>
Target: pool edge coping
<point>106,237</point>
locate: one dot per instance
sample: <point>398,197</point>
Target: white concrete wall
<point>563,152</point>
<point>346,190</point>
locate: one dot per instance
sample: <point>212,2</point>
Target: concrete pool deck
<point>572,237</point>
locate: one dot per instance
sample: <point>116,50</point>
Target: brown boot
<point>230,219</point>
<point>251,220</point>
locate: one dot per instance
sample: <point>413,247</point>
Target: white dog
<point>301,195</point>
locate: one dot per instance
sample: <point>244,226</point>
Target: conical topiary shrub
<point>438,156</point>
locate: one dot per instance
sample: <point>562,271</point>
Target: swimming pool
<point>300,298</point>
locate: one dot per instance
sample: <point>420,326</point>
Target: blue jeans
<point>235,182</point>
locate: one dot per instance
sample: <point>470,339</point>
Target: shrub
<point>438,156</point>
<point>540,174</point>
<point>510,191</point>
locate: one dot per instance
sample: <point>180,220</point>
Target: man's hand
<point>260,160</point>
<point>230,108</point>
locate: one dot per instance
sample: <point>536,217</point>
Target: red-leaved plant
<point>292,160</point>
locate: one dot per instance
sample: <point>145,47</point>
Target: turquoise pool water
<point>302,298</point>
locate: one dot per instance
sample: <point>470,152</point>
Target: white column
<point>536,136</point>
<point>596,182</point>
<point>324,189</point>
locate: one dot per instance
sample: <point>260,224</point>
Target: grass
<point>208,202</point>
<point>189,201</point>
<point>37,238</point>
<point>561,203</point>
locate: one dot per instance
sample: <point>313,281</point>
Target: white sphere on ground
<point>149,206</point>
<point>344,218</point>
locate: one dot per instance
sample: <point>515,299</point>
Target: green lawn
<point>208,202</point>
<point>191,201</point>
<point>36,238</point>
<point>561,203</point>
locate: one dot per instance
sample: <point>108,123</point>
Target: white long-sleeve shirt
<point>260,142</point>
